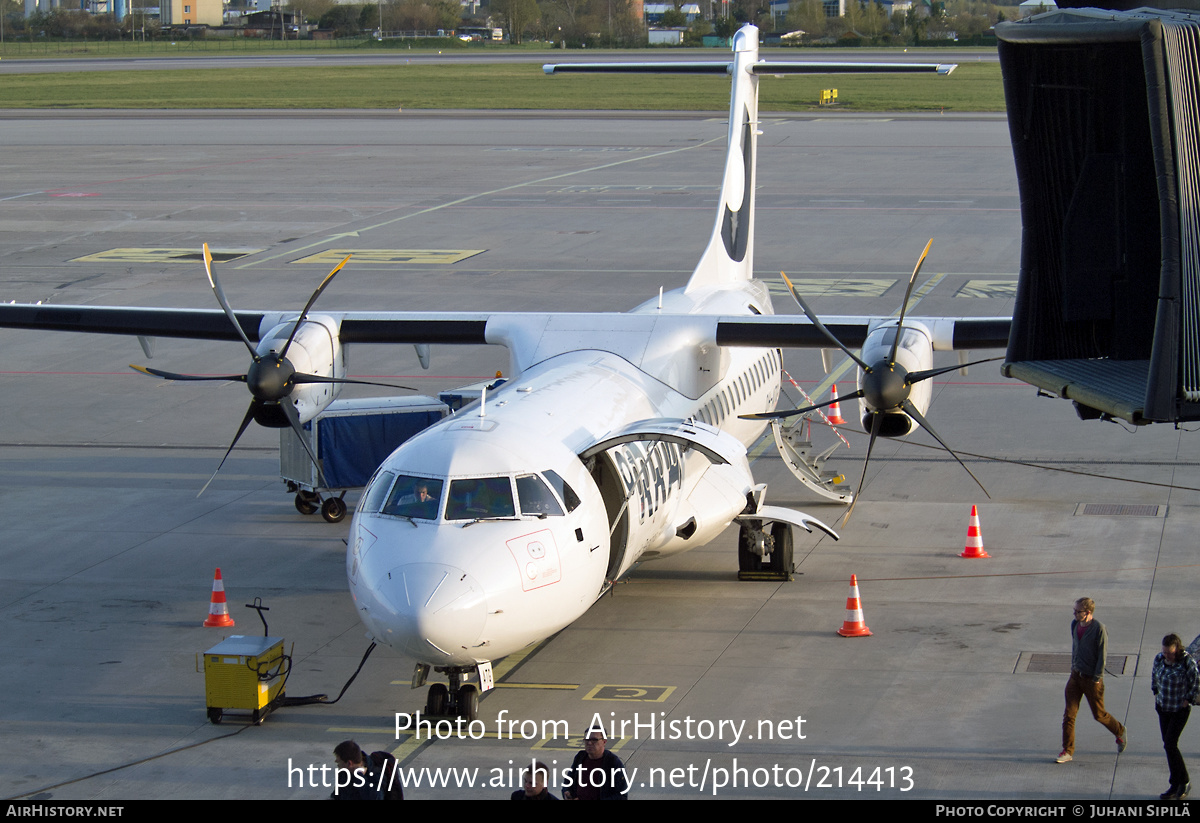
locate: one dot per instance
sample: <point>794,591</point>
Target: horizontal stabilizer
<point>761,68</point>
<point>768,68</point>
<point>693,67</point>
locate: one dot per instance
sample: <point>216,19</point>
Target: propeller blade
<point>915,414</point>
<point>918,376</point>
<point>309,304</point>
<point>904,305</point>
<point>241,430</point>
<point>779,414</point>
<point>300,377</point>
<point>876,422</point>
<point>166,375</point>
<point>216,287</point>
<point>816,321</point>
<point>293,417</point>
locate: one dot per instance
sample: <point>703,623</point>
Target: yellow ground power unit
<point>244,674</point>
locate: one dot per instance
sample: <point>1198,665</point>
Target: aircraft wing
<point>472,328</point>
<point>796,331</point>
<point>212,324</point>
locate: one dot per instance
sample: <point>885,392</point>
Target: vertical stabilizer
<point>729,257</point>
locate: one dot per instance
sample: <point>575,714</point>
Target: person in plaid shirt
<point>1176,684</point>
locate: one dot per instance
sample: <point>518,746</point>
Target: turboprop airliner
<point>616,439</point>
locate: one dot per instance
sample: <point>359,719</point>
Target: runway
<point>108,559</point>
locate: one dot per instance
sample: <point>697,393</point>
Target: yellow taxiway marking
<point>835,286</point>
<point>630,694</point>
<point>988,288</point>
<point>160,255</point>
<point>566,687</point>
<point>388,257</point>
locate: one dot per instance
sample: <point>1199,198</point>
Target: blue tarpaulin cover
<point>351,447</point>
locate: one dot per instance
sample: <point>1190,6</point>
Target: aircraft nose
<point>440,609</point>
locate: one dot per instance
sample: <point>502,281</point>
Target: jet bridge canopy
<point>1103,113</point>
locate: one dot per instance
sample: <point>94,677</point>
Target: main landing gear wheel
<point>748,559</point>
<point>435,702</point>
<point>307,502</point>
<point>781,555</point>
<point>763,555</point>
<point>333,510</point>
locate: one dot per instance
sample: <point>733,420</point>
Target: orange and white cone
<point>835,410</point>
<point>853,625</point>
<point>974,547</point>
<point>218,609</point>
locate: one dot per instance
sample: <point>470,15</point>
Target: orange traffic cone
<point>853,625</point>
<point>835,410</point>
<point>974,547</point>
<point>218,610</point>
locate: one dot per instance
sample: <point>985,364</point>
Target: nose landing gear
<point>457,699</point>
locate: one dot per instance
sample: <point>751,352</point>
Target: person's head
<point>421,492</point>
<point>348,755</point>
<point>594,742</point>
<point>1172,646</point>
<point>1085,607</point>
<point>535,779</point>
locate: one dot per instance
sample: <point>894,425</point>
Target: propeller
<point>886,385</point>
<point>271,377</point>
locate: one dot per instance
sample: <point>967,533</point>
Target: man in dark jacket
<point>596,774</point>
<point>357,777</point>
<point>1089,653</point>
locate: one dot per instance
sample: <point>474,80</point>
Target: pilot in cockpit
<point>421,501</point>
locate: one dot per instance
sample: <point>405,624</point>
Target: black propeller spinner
<point>886,385</point>
<point>271,378</point>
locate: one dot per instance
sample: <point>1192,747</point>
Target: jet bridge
<point>1104,114</point>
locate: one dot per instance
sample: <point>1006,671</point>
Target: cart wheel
<point>305,504</point>
<point>214,715</point>
<point>333,509</point>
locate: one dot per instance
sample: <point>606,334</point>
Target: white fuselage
<point>487,565</point>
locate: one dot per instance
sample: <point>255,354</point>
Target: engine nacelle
<point>317,349</point>
<point>915,353</point>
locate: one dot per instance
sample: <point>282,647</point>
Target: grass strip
<point>973,87</point>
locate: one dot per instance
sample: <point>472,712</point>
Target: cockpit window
<point>418,497</point>
<point>536,499</point>
<point>376,491</point>
<point>564,491</point>
<point>480,498</point>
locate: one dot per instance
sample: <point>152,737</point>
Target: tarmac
<point>108,564</point>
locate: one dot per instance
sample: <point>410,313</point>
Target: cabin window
<point>536,499</point>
